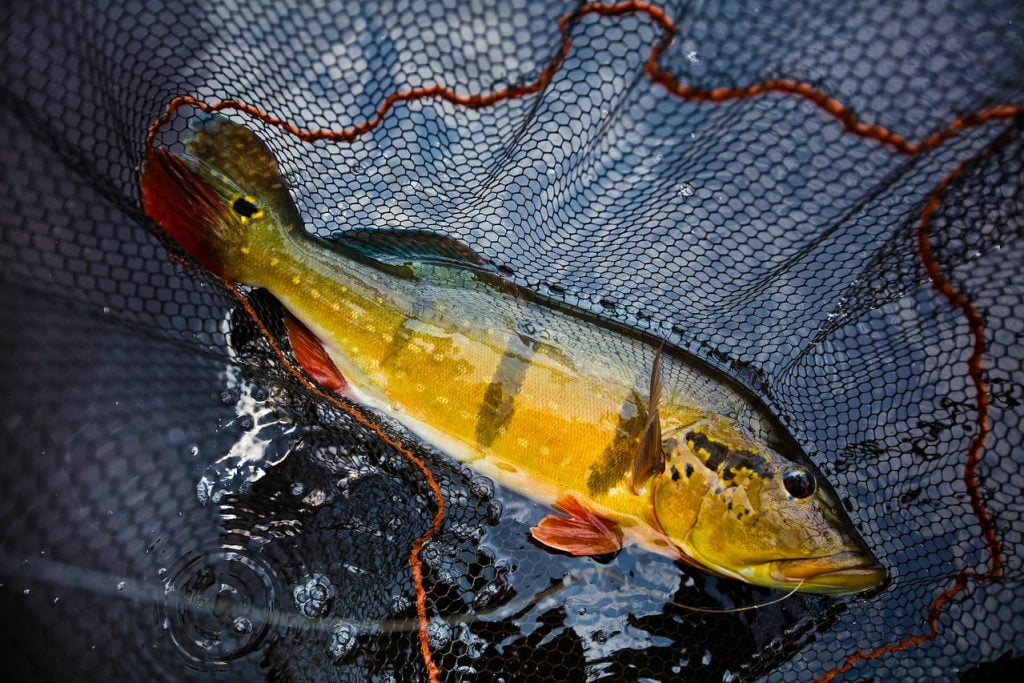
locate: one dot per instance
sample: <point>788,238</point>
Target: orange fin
<point>310,354</point>
<point>583,532</point>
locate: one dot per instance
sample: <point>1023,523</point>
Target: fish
<point>628,440</point>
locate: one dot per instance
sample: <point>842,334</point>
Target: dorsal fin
<point>405,247</point>
<point>650,456</point>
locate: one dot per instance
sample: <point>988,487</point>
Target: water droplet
<point>315,498</point>
<point>194,450</point>
<point>218,606</point>
<point>685,189</point>
<point>439,634</point>
<point>204,489</point>
<point>482,487</point>
<point>313,595</point>
<point>342,641</point>
<point>693,57</point>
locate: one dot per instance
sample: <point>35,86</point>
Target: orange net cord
<point>826,103</point>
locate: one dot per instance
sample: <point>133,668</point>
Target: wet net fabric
<point>823,201</point>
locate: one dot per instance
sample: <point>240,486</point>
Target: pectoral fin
<point>310,354</point>
<point>650,456</point>
<point>583,532</point>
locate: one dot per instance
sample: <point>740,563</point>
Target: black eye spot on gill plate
<point>243,207</point>
<point>799,482</point>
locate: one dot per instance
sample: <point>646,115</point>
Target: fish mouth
<point>848,571</point>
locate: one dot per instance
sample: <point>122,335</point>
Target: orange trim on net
<point>976,371</point>
<point>828,104</point>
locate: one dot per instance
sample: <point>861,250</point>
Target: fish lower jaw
<point>839,574</point>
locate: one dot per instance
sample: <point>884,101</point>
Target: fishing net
<point>821,199</point>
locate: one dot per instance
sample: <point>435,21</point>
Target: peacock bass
<point>630,441</point>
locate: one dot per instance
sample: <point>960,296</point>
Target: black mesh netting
<point>824,200</point>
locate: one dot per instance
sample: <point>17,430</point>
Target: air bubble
<point>685,190</point>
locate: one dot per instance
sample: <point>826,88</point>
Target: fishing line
<point>730,610</point>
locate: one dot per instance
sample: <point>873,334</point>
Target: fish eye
<point>799,482</point>
<point>245,207</point>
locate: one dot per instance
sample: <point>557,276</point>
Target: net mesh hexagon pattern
<point>822,200</point>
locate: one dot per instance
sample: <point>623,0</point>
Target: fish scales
<point>563,420</point>
<point>632,442</point>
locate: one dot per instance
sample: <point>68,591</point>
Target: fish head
<point>737,507</point>
<point>222,197</point>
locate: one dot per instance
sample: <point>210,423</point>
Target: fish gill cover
<point>823,200</point>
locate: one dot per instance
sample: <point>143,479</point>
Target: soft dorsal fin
<point>405,247</point>
<point>650,456</point>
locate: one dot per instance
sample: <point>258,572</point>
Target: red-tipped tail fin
<point>183,205</point>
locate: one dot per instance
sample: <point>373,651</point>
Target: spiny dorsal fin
<point>650,457</point>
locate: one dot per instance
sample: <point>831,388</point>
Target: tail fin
<point>223,192</point>
<point>183,205</point>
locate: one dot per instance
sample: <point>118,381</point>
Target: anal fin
<point>582,532</point>
<point>310,354</point>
